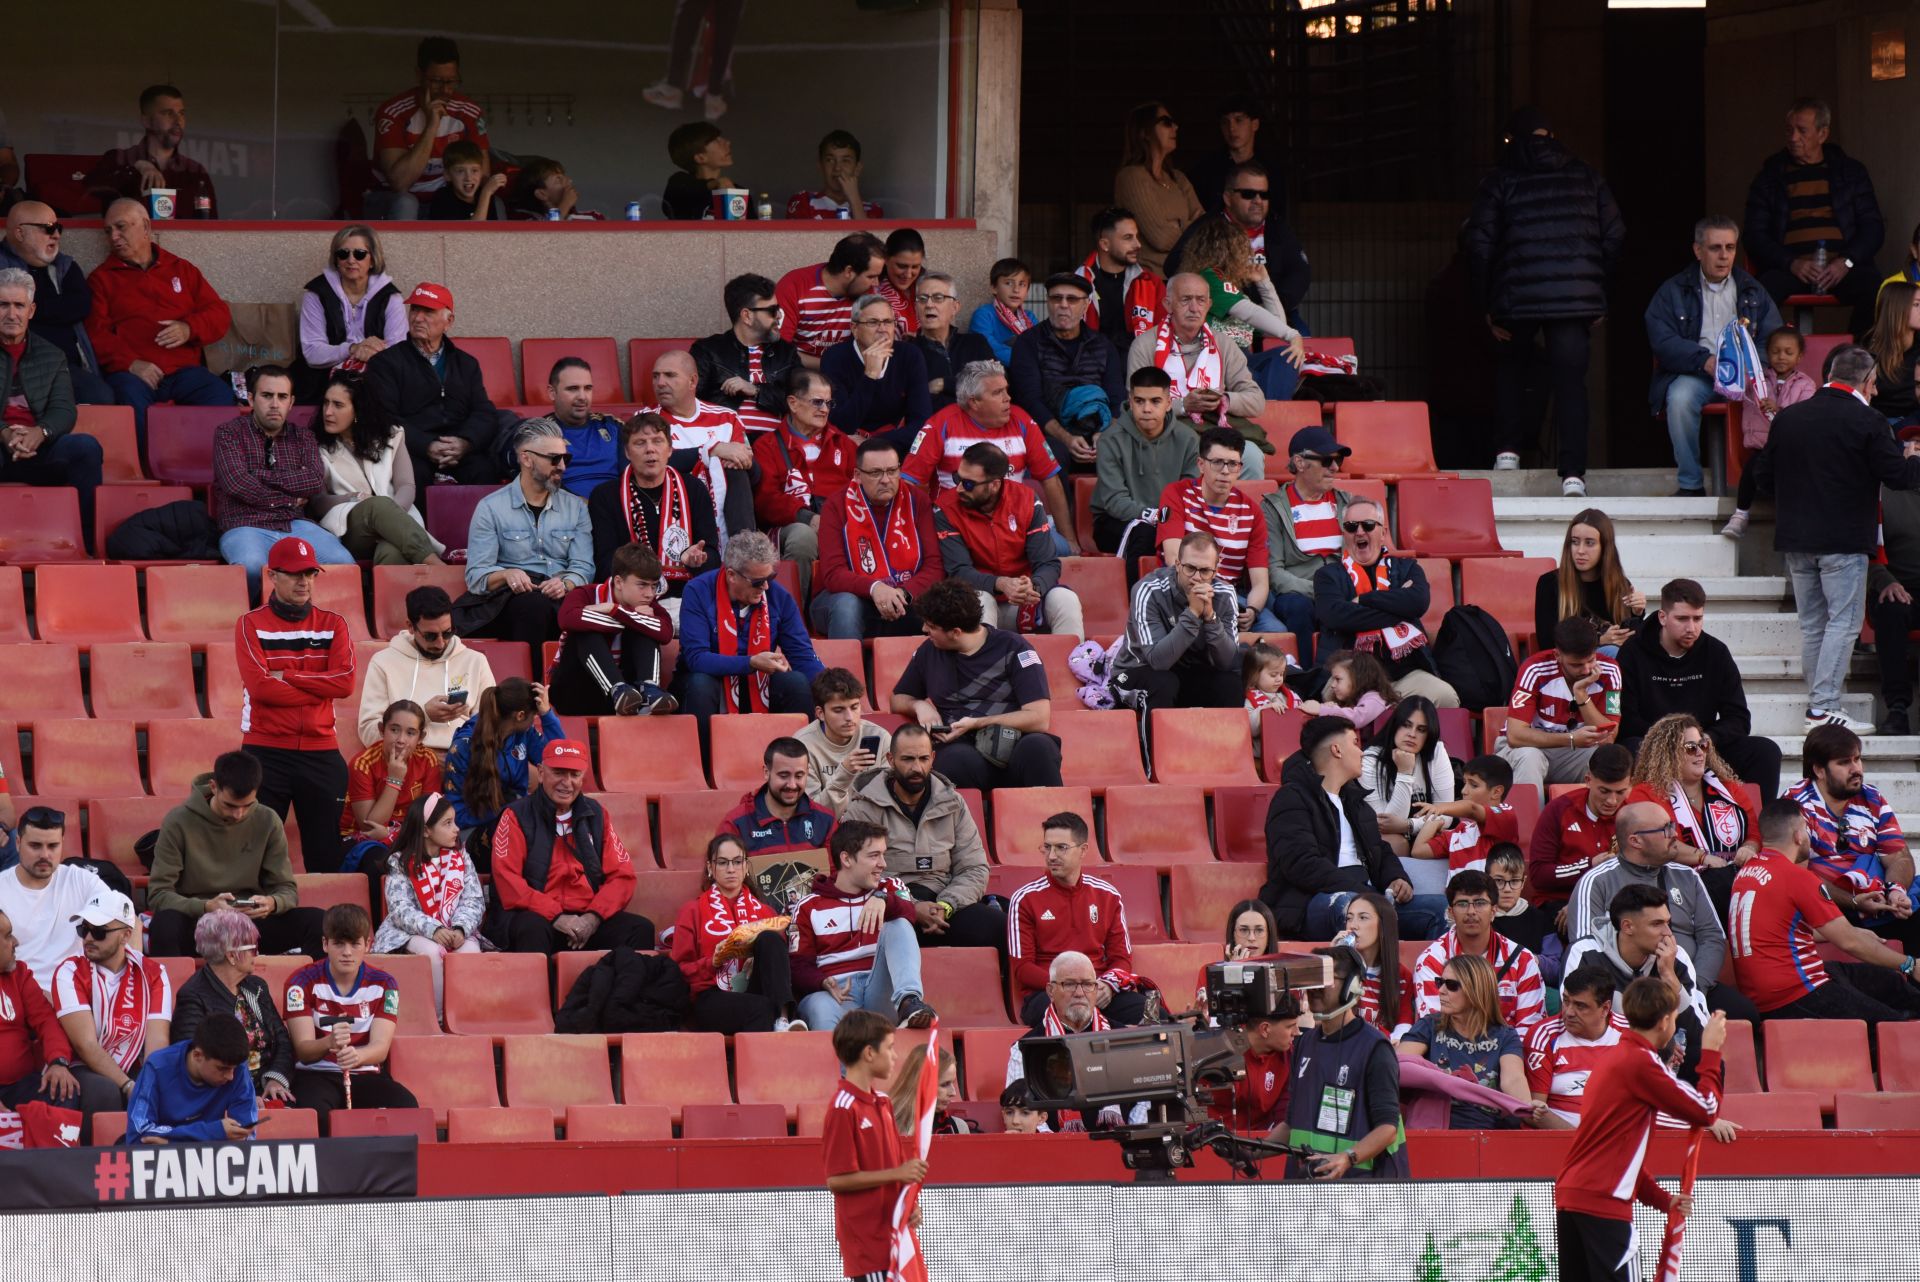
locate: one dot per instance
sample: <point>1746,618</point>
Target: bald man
<point>153,315</point>
<point>1644,835</point>
<point>61,295</point>
<point>709,440</point>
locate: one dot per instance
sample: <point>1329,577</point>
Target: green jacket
<point>1130,471</point>
<point>1288,568</point>
<point>47,382</point>
<point>200,855</point>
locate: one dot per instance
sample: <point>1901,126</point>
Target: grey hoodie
<point>200,855</point>
<point>1695,926</point>
<point>401,672</point>
<point>1131,471</point>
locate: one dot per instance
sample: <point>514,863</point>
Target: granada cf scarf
<point>439,883</point>
<point>1206,370</point>
<point>759,641</point>
<point>1399,640</point>
<point>676,530</point>
<point>1722,829</point>
<point>717,917</point>
<point>874,555</point>
<point>1015,319</point>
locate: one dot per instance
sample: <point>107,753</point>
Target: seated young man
<point>341,1015</point>
<point>840,742</point>
<point>1516,972</point>
<point>852,939</point>
<point>611,634</point>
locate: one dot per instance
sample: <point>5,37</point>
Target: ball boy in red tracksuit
<point>861,1148</point>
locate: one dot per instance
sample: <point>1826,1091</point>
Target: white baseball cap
<point>108,908</point>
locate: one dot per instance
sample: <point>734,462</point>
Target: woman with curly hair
<point>1589,584</point>
<point>1243,302</point>
<point>1715,822</point>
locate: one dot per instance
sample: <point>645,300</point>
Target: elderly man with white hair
<point>1070,1009</point>
<point>743,643</point>
<point>38,445</point>
<point>531,542</point>
<point>1212,386</point>
<point>879,379</point>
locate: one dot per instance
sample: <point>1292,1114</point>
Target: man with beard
<point>263,476</point>
<point>745,368</point>
<point>995,536</point>
<point>933,844</point>
<point>1128,299</point>
<point>1856,842</point>
<point>593,439</point>
<point>1070,911</point>
<point>114,1004</point>
<point>530,544</point>
<point>667,508</point>
<point>155,160</point>
<point>428,665</point>
<point>780,816</point>
<point>1248,202</point>
<point>41,893</point>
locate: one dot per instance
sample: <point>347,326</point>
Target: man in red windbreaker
<point>153,316</point>
<point>35,1057</point>
<point>1605,1171</point>
<point>295,660</point>
<point>1067,911</point>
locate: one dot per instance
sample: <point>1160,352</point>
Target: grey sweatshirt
<point>1695,926</point>
<point>1162,632</point>
<point>1131,471</point>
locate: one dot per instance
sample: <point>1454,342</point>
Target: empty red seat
<point>1138,886</point>
<point>1202,895</point>
<point>499,1125</point>
<point>180,441</point>
<point>1899,1047</point>
<point>1449,517</point>
<point>617,1123</point>
<point>538,355</point>
<point>505,658</point>
<point>39,525</point>
<point>418,1122</point>
<point>1207,747</point>
<point>739,742</point>
<point>495,357</point>
<point>1439,593</point>
<point>1158,825</point>
<point>391,583</point>
<point>1283,418</point>
<point>112,426</point>
<point>42,682</point>
<point>674,1069</point>
<point>963,984</point>
<point>1279,739</point>
<point>114,824</point>
<point>113,504</point>
<point>86,759</point>
<point>1082,493</point>
<point>1504,588</point>
<point>323,890</point>
<point>688,821</point>
<point>1877,1111</point>
<point>1173,967</point>
<point>783,1068</point>
<point>450,511</point>
<point>445,1072</point>
<point>983,1052</point>
<point>557,1071</point>
<point>1018,813</point>
<point>1101,584</point>
<point>497,994</point>
<point>658,894</point>
<point>1773,1111</point>
<point>1240,824</point>
<point>89,603</point>
<point>1389,439</point>
<point>413,974</point>
<point>1099,750</point>
<point>339,590</point>
<point>179,748</point>
<point>13,606</point>
<point>733,1121</point>
<point>1818,1055</point>
<point>1742,1065</point>
<point>890,658</point>
<point>194,603</point>
<point>1062,685</point>
<point>649,756</point>
<point>641,355</point>
<point>142,680</point>
<point>288,1124</point>
<point>108,1128</point>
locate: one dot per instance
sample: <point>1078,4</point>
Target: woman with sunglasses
<point>1715,822</point>
<point>229,946</point>
<point>369,499</point>
<point>1467,1035</point>
<point>348,313</point>
<point>1163,202</point>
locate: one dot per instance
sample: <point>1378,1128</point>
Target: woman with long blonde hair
<point>904,1094</point>
<point>1467,1033</point>
<point>1242,302</point>
<point>1678,769</point>
<point>1589,583</point>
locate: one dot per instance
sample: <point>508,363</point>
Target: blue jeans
<point>194,385</point>
<point>249,545</point>
<point>74,459</point>
<point>1830,595</point>
<point>89,388</point>
<point>1422,917</point>
<point>895,975</point>
<point>1290,612</point>
<point>846,616</point>
<point>1687,395</point>
<point>1274,372</point>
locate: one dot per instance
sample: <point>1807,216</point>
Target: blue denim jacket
<point>1673,326</point>
<point>505,536</point>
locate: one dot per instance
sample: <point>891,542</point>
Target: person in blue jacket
<point>487,766</point>
<point>1006,317</point>
<point>752,656</point>
<point>198,1090</point>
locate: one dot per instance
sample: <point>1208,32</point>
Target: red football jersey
<point>1543,699</point>
<point>1567,841</point>
<point>861,1135</point>
<point>1774,909</point>
<point>1559,1064</point>
<point>1467,844</point>
<point>400,122</point>
<point>1236,525</point>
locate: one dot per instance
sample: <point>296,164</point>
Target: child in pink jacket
<point>1782,383</point>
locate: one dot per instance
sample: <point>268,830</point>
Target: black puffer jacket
<point>627,992</point>
<point>1544,235</point>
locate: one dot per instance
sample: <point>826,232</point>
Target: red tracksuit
<point>1045,919</point>
<point>1605,1170</point>
<point>314,659</point>
<point>30,1036</point>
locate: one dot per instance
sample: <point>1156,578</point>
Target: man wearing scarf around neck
<point>1367,600</point>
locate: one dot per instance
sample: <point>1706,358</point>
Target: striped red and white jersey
<point>1559,1064</point>
<point>400,122</point>
<point>1236,525</point>
<point>1523,994</point>
<point>119,1017</point>
<point>811,318</point>
<point>752,417</point>
<point>1543,698</point>
<point>373,996</point>
<point>935,455</point>
<point>709,425</point>
<point>1316,525</point>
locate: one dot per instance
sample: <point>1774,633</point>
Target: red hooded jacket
<point>130,304</point>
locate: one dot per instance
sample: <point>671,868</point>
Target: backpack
<point>1473,656</point>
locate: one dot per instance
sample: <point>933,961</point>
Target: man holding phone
<point>1566,703</point>
<point>841,744</point>
<point>428,664</point>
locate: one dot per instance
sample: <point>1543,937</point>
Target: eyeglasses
<point>936,298</point>
<point>357,255</point>
<point>730,863</point>
<point>1075,985</point>
<point>1195,571</point>
<point>1509,883</point>
<point>243,949</point>
<point>1322,459</point>
<point>86,930</point>
<point>1059,847</point>
<point>1252,193</point>
<point>1694,747</point>
<point>1359,527</point>
<point>818,402</point>
<point>878,473</point>
<point>52,229</point>
<point>1220,464</point>
<point>558,460</point>
<point>1066,296</point>
<point>1449,983</point>
<point>758,583</point>
<point>1666,828</point>
<point>1481,903</point>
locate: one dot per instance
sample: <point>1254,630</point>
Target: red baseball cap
<point>290,556</point>
<point>428,294</point>
<point>1910,432</point>
<point>566,754</point>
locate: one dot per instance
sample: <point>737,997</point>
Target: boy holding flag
<point>874,1189</point>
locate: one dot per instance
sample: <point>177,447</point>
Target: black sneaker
<point>1895,722</point>
<point>1689,494</point>
<point>665,705</point>
<point>627,701</point>
<point>913,1012</point>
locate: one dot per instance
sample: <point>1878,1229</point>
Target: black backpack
<point>1473,656</point>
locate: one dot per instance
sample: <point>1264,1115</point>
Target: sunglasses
<point>44,817</point>
<point>1252,193</point>
<point>1694,748</point>
<point>1163,120</point>
<point>437,636</point>
<point>357,255</point>
<point>1359,527</point>
<point>558,460</point>
<point>968,487</point>
<point>1450,984</point>
<point>818,402</point>
<point>758,583</point>
<point>1323,460</point>
<point>86,930</point>
<point>52,229</point>
<point>766,311</point>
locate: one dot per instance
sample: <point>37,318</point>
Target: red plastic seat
<point>497,994</point>
<point>650,756</point>
<point>445,1072</point>
<point>658,894</point>
<point>495,357</point>
<point>1062,685</point>
<point>1139,889</point>
<point>195,603</point>
<point>1389,439</point>
<point>557,1071</point>
<point>1742,1065</point>
<point>641,355</point>
<point>108,1128</point>
<point>783,1068</point>
<point>1327,345</point>
<point>735,1121</point>
<point>1240,824</point>
<point>890,658</point>
<point>179,969</point>
<point>180,441</point>
<point>288,1124</point>
<point>505,658</point>
<point>450,511</point>
<point>1018,813</point>
<point>418,1122</point>
<point>88,603</point>
<point>1773,1111</point>
<point>1202,894</point>
<point>1099,750</point>
<point>538,355</point>
<point>1450,518</point>
<point>1899,1047</point>
<point>1283,418</point>
<point>142,680</point>
<point>114,824</point>
<point>1207,747</point>
<point>413,974</point>
<point>13,606</point>
<point>86,759</point>
<point>850,655</point>
<point>323,890</point>
<point>42,682</point>
<point>1158,825</point>
<point>113,504</point>
<point>40,525</point>
<point>739,742</point>
<point>674,1070</point>
<point>983,1057</point>
<point>1083,483</point>
<point>1439,593</point>
<point>1173,966</point>
<point>499,1125</point>
<point>180,748</point>
<point>338,589</point>
<point>617,1123</point>
<point>688,821</point>
<point>1504,588</point>
<point>112,426</point>
<point>1878,1111</point>
<point>1101,584</point>
<point>1818,1055</point>
<point>568,965</point>
<point>391,583</point>
<point>963,984</point>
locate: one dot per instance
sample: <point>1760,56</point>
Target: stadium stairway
<point>1749,602</point>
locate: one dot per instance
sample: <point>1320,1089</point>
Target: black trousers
<point>1124,1011</point>
<point>1596,1250</point>
<point>97,1095</point>
<point>527,931</point>
<point>530,617</point>
<point>981,924</point>
<point>479,467</point>
<point>1755,759</point>
<point>1107,531</point>
<point>586,670</point>
<point>1035,763</point>
<point>1892,620</point>
<point>1188,685</point>
<point>314,786</point>
<point>323,1092</point>
<point>1857,289</point>
<point>1731,1002</point>
<point>768,995</point>
<point>295,931</point>
<point>1567,349</point>
<point>1855,990</point>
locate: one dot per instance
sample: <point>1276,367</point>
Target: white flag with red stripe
<point>1676,1226</point>
<point>908,1265</point>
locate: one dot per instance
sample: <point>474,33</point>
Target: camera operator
<point>1344,1099</point>
<point>1257,1103</point>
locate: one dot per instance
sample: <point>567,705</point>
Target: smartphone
<point>940,729</point>
<point>870,743</point>
<point>248,902</point>
<point>456,697</point>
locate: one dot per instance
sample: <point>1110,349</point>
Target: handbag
<point>477,610</point>
<point>996,744</point>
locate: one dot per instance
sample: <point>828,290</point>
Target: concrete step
<point>1746,594</point>
<point>1780,673</point>
<point>1631,515</point>
<point>1757,633</point>
<point>1611,482</point>
<point>1782,715</point>
<point>1649,561</point>
<point>1882,755</point>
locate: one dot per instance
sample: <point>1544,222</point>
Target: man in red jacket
<point>1067,911</point>
<point>1605,1171</point>
<point>295,660</point>
<point>802,461</point>
<point>877,552</point>
<point>35,1057</point>
<point>153,314</point>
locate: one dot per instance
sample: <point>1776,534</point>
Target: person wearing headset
<point>1303,529</point>
<point>1344,1101</point>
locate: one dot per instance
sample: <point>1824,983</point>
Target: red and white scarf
<point>676,528</point>
<point>440,882</point>
<point>798,482</point>
<point>717,917</point>
<point>1014,318</point>
<point>875,556</point>
<point>122,1028</point>
<point>1399,639</point>
<point>727,641</point>
<point>1205,372</point>
<point>1725,816</point>
<point>1050,1025</point>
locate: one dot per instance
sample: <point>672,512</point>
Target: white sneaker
<point>1573,487</point>
<point>784,1025</point>
<point>1861,728</point>
<point>662,94</point>
<point>1736,526</point>
<point>1508,462</point>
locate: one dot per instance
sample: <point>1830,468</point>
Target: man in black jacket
<point>1671,665</point>
<point>1250,200</point>
<point>1324,846</point>
<point>1065,354</point>
<point>745,368</point>
<point>38,445</point>
<point>1824,463</point>
<point>61,296</point>
<point>1890,589</point>
<point>946,349</point>
<point>1367,600</point>
<point>1808,197</point>
<point>1542,239</point>
<point>436,393</point>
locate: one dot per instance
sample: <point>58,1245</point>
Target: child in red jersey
<point>862,1150</point>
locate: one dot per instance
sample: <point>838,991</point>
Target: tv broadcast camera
<point>1169,1066</point>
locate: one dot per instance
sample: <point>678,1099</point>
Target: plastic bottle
<point>765,211</point>
<point>1820,256</point>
